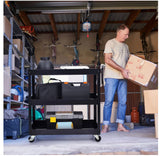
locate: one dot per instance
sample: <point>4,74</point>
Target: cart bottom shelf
<point>88,127</point>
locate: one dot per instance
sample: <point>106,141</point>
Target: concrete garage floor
<point>139,141</point>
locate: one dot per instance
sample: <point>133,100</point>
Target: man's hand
<point>125,73</point>
<point>109,61</point>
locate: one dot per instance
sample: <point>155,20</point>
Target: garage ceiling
<point>67,16</point>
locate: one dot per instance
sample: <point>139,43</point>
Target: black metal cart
<point>88,126</point>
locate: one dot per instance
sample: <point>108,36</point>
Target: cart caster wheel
<point>31,138</point>
<point>97,138</point>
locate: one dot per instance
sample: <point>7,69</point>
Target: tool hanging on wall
<point>76,57</point>
<point>98,52</point>
<point>52,46</point>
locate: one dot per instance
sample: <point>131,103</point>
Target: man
<point>116,56</point>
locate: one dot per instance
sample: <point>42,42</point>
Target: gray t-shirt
<point>120,55</point>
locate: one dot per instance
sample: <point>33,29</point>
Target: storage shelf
<point>64,131</point>
<point>15,102</point>
<point>18,102</point>
<point>16,77</point>
<point>64,72</point>
<point>89,127</point>
<point>64,101</point>
<point>6,39</point>
<point>19,53</point>
<point>26,63</point>
<point>6,100</point>
<point>7,11</point>
<point>10,48</point>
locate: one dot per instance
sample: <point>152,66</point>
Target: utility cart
<point>89,126</point>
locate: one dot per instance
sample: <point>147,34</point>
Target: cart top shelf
<point>64,72</point>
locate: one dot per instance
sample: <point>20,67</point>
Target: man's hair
<point>121,27</point>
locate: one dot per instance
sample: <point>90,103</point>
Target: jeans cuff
<point>106,122</point>
<point>120,121</point>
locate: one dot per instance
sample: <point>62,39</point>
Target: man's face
<point>123,34</point>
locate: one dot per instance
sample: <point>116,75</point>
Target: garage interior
<point>55,29</point>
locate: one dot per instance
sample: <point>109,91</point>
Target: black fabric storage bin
<point>49,91</point>
<point>71,91</point>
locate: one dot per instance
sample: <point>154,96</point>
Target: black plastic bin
<point>75,91</point>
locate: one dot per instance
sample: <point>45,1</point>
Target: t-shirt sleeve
<point>108,48</point>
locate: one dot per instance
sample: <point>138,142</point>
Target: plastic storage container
<point>45,64</point>
<point>75,91</point>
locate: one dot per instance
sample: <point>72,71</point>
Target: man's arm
<point>110,62</point>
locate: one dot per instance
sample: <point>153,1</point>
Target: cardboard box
<point>156,125</point>
<point>151,101</point>
<point>18,44</point>
<point>142,72</point>
<point>7,81</point>
<point>141,56</point>
<point>7,27</point>
<point>15,62</point>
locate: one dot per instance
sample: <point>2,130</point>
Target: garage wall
<point>152,41</point>
<point>86,56</point>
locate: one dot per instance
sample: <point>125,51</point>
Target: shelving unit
<point>88,126</point>
<point>9,49</point>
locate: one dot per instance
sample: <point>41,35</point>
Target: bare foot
<point>122,128</point>
<point>104,129</point>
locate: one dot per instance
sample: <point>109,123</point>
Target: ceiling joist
<point>118,11</point>
<point>24,18</point>
<point>150,25</point>
<point>132,17</point>
<point>53,24</point>
<point>103,23</point>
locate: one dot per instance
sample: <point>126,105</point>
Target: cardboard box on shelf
<point>142,72</point>
<point>18,44</point>
<point>15,62</point>
<point>7,27</point>
<point>7,81</point>
<point>151,101</point>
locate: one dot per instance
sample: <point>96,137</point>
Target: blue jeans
<point>111,86</point>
